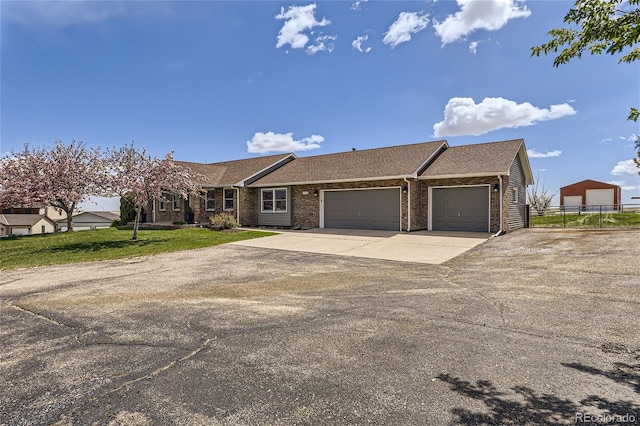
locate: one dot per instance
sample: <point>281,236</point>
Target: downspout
<point>237,204</point>
<point>501,200</point>
<point>408,204</point>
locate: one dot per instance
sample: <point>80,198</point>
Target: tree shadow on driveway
<point>103,245</point>
<point>524,406</point>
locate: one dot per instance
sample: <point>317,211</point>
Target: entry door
<point>460,209</point>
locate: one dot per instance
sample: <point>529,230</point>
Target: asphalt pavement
<point>534,327</point>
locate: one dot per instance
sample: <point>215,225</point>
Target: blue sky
<point>215,81</point>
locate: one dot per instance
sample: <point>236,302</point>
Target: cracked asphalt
<point>535,327</point>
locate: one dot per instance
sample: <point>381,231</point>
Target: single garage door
<point>599,197</point>
<point>460,209</point>
<point>20,231</point>
<point>363,209</point>
<point>572,203</point>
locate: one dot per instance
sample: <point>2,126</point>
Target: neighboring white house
<point>90,220</point>
<point>53,213</point>
<point>25,224</point>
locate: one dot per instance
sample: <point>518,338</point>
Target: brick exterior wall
<point>246,206</point>
<point>249,206</point>
<point>306,208</point>
<point>168,215</point>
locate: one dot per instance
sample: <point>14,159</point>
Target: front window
<point>211,200</point>
<point>176,202</point>
<point>228,199</point>
<point>514,195</point>
<point>274,200</point>
<point>162,204</point>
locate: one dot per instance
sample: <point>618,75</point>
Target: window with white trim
<point>162,203</point>
<point>176,202</point>
<point>514,195</point>
<point>211,200</point>
<point>228,199</point>
<point>274,200</point>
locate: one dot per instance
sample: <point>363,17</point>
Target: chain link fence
<point>586,216</point>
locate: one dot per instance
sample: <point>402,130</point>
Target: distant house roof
<point>594,184</point>
<point>22,219</point>
<point>237,172</point>
<point>367,164</point>
<point>484,159</point>
<point>110,216</point>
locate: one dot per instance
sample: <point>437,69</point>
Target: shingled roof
<point>235,172</point>
<point>22,219</point>
<point>367,164</point>
<point>104,215</point>
<point>485,159</point>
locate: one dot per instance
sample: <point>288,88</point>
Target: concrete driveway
<point>421,246</point>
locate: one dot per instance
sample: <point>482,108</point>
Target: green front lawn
<point>586,220</point>
<point>110,243</point>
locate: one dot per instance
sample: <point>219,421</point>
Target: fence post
<point>600,216</point>
<point>564,217</point>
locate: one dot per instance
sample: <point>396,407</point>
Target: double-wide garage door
<point>363,209</point>
<point>460,209</point>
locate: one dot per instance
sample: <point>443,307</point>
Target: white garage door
<point>20,231</point>
<point>600,197</point>
<point>572,202</point>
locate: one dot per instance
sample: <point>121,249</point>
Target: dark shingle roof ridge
<point>226,162</point>
<point>487,143</point>
<point>382,148</point>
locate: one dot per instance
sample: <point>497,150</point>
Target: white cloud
<point>357,44</point>
<point>473,47</point>
<point>623,184</point>
<point>297,19</point>
<point>474,15</point>
<point>356,5</point>
<point>625,167</point>
<point>606,140</point>
<point>61,14</point>
<point>535,154</point>
<point>319,46</point>
<point>407,23</point>
<point>462,116</point>
<point>631,138</point>
<point>262,143</point>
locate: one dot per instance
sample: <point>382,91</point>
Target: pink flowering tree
<point>145,179</point>
<point>62,177</point>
